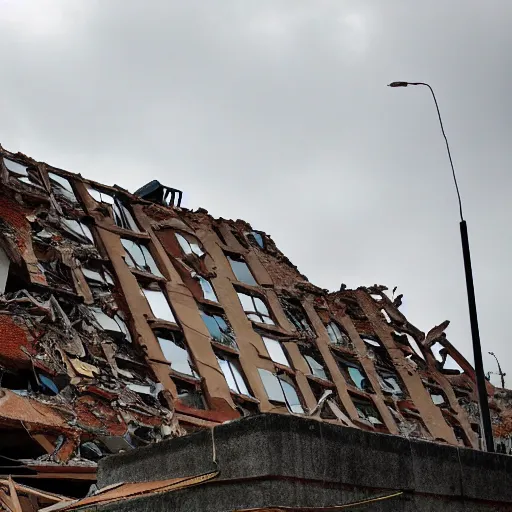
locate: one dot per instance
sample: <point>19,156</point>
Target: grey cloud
<point>277,112</point>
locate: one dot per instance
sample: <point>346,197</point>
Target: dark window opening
<point>367,411</point>
<point>297,316</point>
<point>57,274</point>
<point>219,329</point>
<point>219,234</point>
<point>18,444</point>
<point>190,394</point>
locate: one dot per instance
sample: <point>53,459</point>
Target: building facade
<point>127,319</point>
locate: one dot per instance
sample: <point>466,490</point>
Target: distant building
<point>127,319</point>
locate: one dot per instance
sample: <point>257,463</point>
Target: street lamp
<point>475,334</point>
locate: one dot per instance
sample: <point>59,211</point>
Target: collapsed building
<point>126,319</point>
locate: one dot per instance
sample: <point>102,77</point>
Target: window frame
<point>144,251</point>
<point>255,312</point>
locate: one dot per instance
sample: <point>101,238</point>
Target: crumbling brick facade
<point>124,321</point>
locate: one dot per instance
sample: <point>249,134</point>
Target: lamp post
<point>475,334</point>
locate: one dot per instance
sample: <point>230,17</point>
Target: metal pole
<point>477,348</point>
<point>485,416</point>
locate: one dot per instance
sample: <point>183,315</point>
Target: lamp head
<point>398,84</point>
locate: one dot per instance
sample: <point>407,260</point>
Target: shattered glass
<point>177,356</point>
<point>255,309</point>
<point>292,398</point>
<point>207,288</point>
<point>219,329</point>
<point>62,187</point>
<point>78,229</point>
<point>189,245</point>
<point>316,368</point>
<point>139,257</point>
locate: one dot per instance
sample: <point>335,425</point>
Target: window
<point>316,368</point>
<point>207,288</point>
<point>5,263</point>
<point>241,270</point>
<point>139,257</point>
<point>15,167</point>
<point>390,382</point>
<point>174,350</point>
<point>78,229</point>
<point>159,305</point>
<point>189,244</point>
<point>62,187</point>
<point>219,329</point>
<point>257,237</point>
<point>297,316</point>
<point>122,216</point>
<point>255,309</point>
<point>337,336</point>
<point>278,389</point>
<point>115,324</point>
<point>233,374</point>
<point>367,411</point>
<point>100,277</point>
<point>190,394</point>
<point>275,351</point>
<point>353,373</point>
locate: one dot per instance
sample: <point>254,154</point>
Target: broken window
<point>139,257</point>
<point>100,277</point>
<point>190,394</point>
<point>255,309</point>
<point>62,187</point>
<point>122,216</point>
<point>399,336</point>
<point>207,288</point>
<point>159,305</point>
<point>15,167</point>
<point>233,374</point>
<point>219,329</point>
<point>367,411</point>
<point>189,244</point>
<point>297,316</point>
<point>280,389</point>
<point>78,229</point>
<point>337,335</point>
<point>353,373</point>
<point>175,351</point>
<point>241,270</point>
<point>275,351</point>
<point>113,325</point>
<point>315,367</point>
<point>256,237</point>
<point>57,274</point>
<point>445,361</point>
<point>390,382</point>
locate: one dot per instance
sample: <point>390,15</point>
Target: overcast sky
<point>277,112</point>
